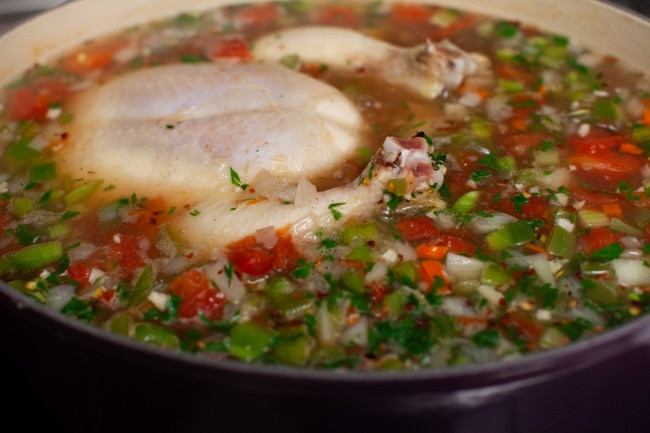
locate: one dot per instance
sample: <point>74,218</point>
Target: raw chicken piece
<point>425,70</point>
<point>180,129</point>
<point>226,218</point>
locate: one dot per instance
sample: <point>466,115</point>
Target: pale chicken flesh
<point>203,135</point>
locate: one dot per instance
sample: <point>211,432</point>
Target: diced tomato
<point>198,295</point>
<point>607,169</point>
<point>92,57</point>
<point>417,229</point>
<point>431,271</point>
<point>124,250</point>
<point>597,238</point>
<point>108,295</point>
<point>249,257</point>
<point>342,16</point>
<point>596,141</point>
<point>463,22</point>
<point>524,327</point>
<point>458,245</point>
<point>410,13</point>
<point>33,102</point>
<point>80,273</point>
<point>521,145</point>
<point>232,48</point>
<point>594,198</point>
<point>255,261</point>
<point>535,208</point>
<point>259,14</point>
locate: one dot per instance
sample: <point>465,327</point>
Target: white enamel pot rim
<point>594,24</point>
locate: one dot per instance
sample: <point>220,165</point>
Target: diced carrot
<point>430,270</point>
<point>535,248</point>
<point>465,21</point>
<point>518,124</point>
<point>612,210</point>
<point>427,251</point>
<point>646,116</point>
<point>630,148</point>
<point>340,16</point>
<point>259,14</point>
<point>410,13</point>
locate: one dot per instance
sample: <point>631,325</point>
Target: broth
<point>537,237</point>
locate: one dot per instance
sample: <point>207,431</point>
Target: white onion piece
<point>356,334</point>
<point>267,236</point>
<point>83,251</point>
<point>463,268</point>
<point>230,286</point>
<point>483,224</point>
<point>59,296</point>
<point>325,326</point>
<point>493,296</point>
<point>631,272</point>
<point>306,192</point>
<point>542,267</point>
<point>378,273</point>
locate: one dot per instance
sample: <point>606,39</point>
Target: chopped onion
<point>378,273</point>
<point>631,272</point>
<point>325,326</point>
<point>542,267</point>
<point>356,334</point>
<point>489,224</point>
<point>59,296</point>
<point>493,296</point>
<point>463,268</point>
<point>81,252</point>
<point>230,285</point>
<point>267,236</point>
<point>305,193</point>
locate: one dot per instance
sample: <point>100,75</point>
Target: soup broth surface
<point>532,231</point>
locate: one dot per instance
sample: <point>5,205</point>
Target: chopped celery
<point>120,324</point>
<point>482,128</point>
<point>641,133</point>
<point>466,202</point>
<point>547,157</point>
<point>279,287</point>
<point>605,109</point>
<point>142,285</point>
<point>506,163</point>
<point>22,205</point>
<point>292,308</point>
<point>59,230</point>
<point>36,256</point>
<point>510,235</point>
<point>511,86</point>
<point>398,187</point>
<point>593,218</point>
<point>395,302</point>
<point>249,341</point>
<point>42,172</point>
<point>20,152</point>
<point>562,242</point>
<point>600,290</point>
<point>82,192</point>
<point>360,233</point>
<point>291,61</point>
<point>494,275</point>
<point>362,253</point>
<point>406,272</point>
<point>293,347</point>
<point>553,337</point>
<point>620,226</point>
<point>353,280</point>
<point>156,335</point>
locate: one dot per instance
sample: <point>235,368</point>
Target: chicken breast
<point>180,129</point>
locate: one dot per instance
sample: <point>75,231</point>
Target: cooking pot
<point>65,375</point>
